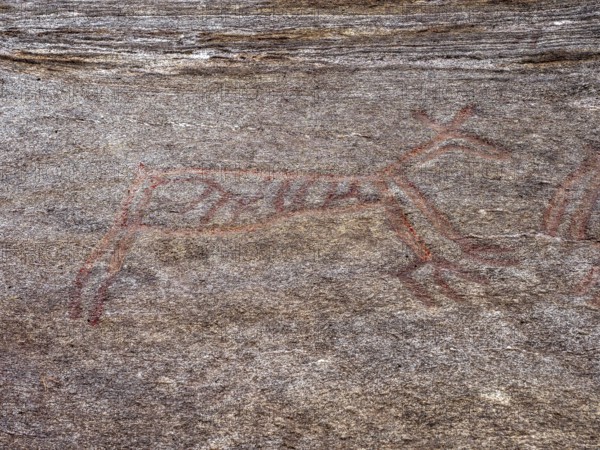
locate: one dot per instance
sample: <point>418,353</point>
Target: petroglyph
<point>196,201</point>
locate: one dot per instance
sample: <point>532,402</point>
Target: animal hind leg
<point>83,276</point>
<point>121,249</point>
<point>115,264</point>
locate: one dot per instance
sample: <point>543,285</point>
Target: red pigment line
<point>407,234</point>
<point>225,230</point>
<point>120,252</point>
<point>242,206</point>
<point>82,279</point>
<point>490,151</point>
<point>118,256</point>
<point>449,291</point>
<point>351,193</point>
<point>583,215</point>
<point>115,265</point>
<point>280,198</point>
<point>417,151</point>
<point>475,253</point>
<point>259,173</point>
<point>211,183</point>
<point>445,131</point>
<point>461,117</point>
<point>590,279</point>
<point>417,290</point>
<point>461,148</point>
<point>302,193</point>
<point>424,118</point>
<point>213,186</point>
<point>475,250</point>
<point>558,205</point>
<point>556,209</point>
<point>585,221</point>
<point>124,216</point>
<point>401,225</point>
<point>331,194</point>
<point>399,221</point>
<point>193,205</point>
<point>443,264</point>
<point>491,148</point>
<point>226,196</point>
<point>119,223</point>
<point>99,301</point>
<point>438,220</point>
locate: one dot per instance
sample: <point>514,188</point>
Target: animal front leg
<point>440,270</point>
<point>406,232</point>
<point>438,275</point>
<point>406,192</point>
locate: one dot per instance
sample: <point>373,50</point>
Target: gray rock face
<point>311,224</point>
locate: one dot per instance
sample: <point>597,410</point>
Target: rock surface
<point>167,282</point>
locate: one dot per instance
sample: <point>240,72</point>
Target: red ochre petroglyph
<point>569,215</point>
<point>222,206</point>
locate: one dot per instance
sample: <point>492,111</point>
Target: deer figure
<point>244,201</point>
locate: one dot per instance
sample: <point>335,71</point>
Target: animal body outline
<point>292,190</point>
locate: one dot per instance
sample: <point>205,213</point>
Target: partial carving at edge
<point>569,213</point>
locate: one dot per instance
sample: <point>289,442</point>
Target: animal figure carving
<point>570,212</point>
<point>243,201</point>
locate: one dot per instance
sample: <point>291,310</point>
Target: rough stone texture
<point>315,331</point>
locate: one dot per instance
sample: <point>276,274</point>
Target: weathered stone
<point>369,225</point>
